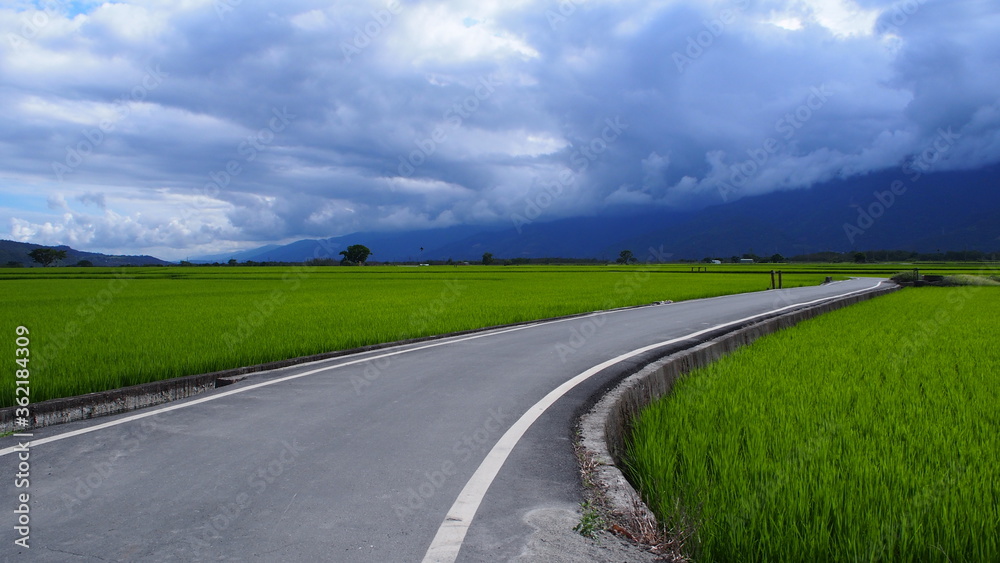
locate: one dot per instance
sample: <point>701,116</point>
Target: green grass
<point>966,279</point>
<point>591,521</point>
<point>94,329</point>
<point>868,434</point>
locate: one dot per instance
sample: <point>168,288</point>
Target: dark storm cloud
<point>178,127</point>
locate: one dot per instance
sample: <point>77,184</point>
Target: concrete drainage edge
<point>603,429</point>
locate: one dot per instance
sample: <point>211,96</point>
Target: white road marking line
<point>40,441</point>
<point>366,358</point>
<point>448,541</point>
<point>124,420</point>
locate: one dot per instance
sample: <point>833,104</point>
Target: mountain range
<point>889,210</point>
<point>13,252</point>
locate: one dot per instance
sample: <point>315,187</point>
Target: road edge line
<point>605,426</point>
<point>450,536</point>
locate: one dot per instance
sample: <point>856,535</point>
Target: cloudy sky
<point>184,127</point>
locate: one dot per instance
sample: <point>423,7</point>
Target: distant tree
<point>186,263</point>
<point>355,255</point>
<point>85,264</point>
<point>626,257</point>
<point>487,258</point>
<point>707,260</point>
<point>232,262</point>
<point>46,256</point>
<point>14,264</point>
<point>860,258</point>
<point>734,259</point>
<point>777,258</point>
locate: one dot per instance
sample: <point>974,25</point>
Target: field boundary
<point>135,397</point>
<point>604,428</point>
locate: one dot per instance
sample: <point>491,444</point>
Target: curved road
<point>431,451</point>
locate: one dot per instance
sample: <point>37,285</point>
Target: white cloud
<point>843,17</point>
<point>313,20</point>
<point>39,109</point>
<point>895,78</point>
<point>437,33</point>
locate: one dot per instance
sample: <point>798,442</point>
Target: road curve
<point>431,451</point>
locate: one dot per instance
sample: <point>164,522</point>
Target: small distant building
<point>746,260</point>
<point>717,261</point>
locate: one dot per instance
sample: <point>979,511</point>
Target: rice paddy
<point>868,434</point>
<point>95,329</point>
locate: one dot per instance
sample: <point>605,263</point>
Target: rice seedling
<point>867,434</point>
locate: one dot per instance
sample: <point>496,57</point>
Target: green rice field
<point>93,329</point>
<point>871,433</point>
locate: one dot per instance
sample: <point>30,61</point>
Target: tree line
<point>358,255</point>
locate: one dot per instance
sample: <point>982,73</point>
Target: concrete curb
<point>126,399</point>
<point>604,428</point>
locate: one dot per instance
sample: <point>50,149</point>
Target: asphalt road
<point>358,458</point>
